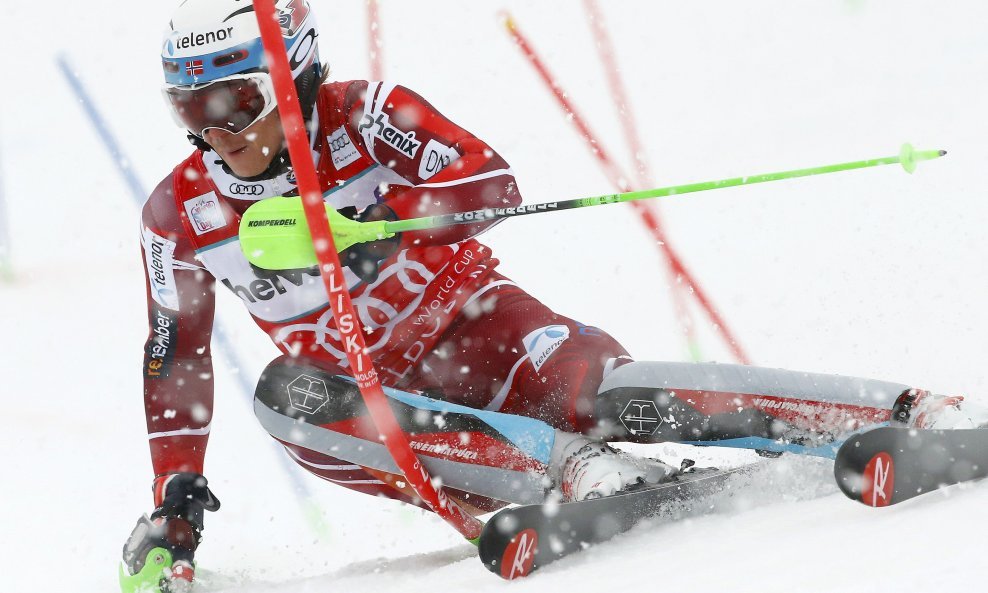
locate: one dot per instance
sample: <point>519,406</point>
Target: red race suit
<point>438,319</point>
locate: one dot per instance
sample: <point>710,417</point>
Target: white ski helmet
<point>212,41</point>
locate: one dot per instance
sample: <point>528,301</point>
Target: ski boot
<point>918,408</point>
<point>593,469</point>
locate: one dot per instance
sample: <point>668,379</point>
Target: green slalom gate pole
<point>274,236</point>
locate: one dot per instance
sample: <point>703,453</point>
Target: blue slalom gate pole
<point>109,142</point>
<point>220,333</point>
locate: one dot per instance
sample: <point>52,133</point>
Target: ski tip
<point>878,481</point>
<point>507,550</point>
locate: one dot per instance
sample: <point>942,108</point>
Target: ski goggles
<point>232,103</point>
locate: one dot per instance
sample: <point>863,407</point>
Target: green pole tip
<point>943,153</point>
<point>907,157</point>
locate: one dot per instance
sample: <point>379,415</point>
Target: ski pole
<point>274,236</point>
<point>907,157</point>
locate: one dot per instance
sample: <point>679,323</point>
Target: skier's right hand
<point>363,258</point>
<point>158,555</point>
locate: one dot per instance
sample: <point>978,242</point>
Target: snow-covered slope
<point>873,273</point>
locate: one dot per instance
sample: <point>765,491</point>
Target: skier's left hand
<point>363,258</point>
<point>159,552</point>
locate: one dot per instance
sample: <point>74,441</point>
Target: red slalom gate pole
<point>605,49</point>
<point>374,38</point>
<point>339,297</point>
<point>621,182</point>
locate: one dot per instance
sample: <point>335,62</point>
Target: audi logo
<point>238,189</point>
<point>339,143</point>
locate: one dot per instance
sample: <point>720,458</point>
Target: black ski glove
<point>363,258</point>
<point>175,526</point>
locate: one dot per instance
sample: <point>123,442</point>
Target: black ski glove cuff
<point>186,495</point>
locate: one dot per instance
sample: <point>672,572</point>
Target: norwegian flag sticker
<point>194,68</point>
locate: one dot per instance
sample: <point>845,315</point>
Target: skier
<point>503,398</point>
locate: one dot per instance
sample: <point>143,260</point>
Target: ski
<point>889,465</point>
<point>519,540</point>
